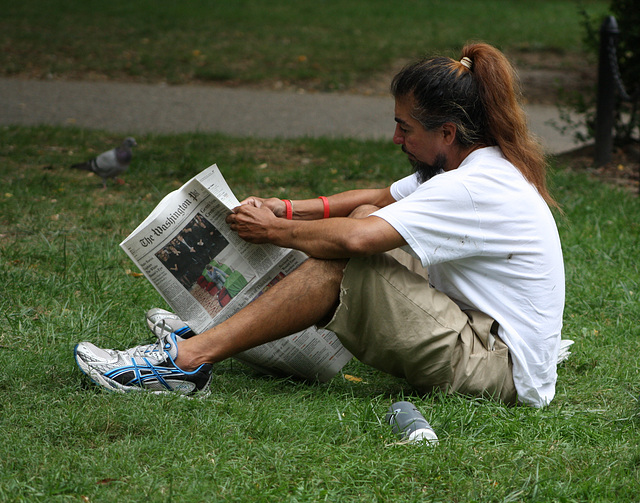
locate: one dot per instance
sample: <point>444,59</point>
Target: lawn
<point>64,279</point>
<point>326,45</point>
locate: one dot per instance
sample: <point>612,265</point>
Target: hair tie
<point>466,62</point>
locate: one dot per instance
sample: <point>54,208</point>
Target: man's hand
<point>276,205</point>
<point>253,219</point>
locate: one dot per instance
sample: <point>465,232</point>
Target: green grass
<point>64,279</point>
<point>328,44</point>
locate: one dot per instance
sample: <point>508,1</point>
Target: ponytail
<point>499,91</point>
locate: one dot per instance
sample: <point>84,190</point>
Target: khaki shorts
<point>390,318</point>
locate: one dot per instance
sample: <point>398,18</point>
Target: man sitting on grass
<point>475,213</point>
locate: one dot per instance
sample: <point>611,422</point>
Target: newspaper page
<point>206,273</point>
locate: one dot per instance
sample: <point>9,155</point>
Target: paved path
<point>141,108</point>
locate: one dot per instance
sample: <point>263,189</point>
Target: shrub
<point>627,119</point>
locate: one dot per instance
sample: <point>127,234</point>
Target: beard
<point>425,171</point>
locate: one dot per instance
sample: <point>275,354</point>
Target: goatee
<point>426,171</point>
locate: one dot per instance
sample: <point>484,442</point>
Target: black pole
<point>605,112</point>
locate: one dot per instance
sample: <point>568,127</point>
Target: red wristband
<point>325,204</point>
<point>289,209</point>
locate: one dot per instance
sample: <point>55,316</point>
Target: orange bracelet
<point>325,205</point>
<point>289,208</point>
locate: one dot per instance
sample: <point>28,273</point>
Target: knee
<point>331,270</point>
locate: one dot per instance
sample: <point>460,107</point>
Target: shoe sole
<point>114,386</point>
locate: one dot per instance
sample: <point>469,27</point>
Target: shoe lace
<point>160,328</point>
<point>147,350</point>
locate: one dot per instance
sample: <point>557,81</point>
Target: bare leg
<point>305,297</point>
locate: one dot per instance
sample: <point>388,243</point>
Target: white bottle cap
<point>423,435</point>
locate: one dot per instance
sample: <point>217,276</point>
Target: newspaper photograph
<point>206,273</point>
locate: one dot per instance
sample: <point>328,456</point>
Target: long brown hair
<point>480,94</point>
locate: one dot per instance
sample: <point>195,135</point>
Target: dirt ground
<point>623,171</point>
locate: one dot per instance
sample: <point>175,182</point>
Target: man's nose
<point>398,138</point>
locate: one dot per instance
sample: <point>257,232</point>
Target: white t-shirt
<point>491,244</point>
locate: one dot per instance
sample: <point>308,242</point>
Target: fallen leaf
<point>106,481</point>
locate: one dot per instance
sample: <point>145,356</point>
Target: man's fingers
<point>250,201</point>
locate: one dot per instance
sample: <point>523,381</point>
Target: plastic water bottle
<point>407,422</point>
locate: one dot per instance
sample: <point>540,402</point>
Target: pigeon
<point>111,163</point>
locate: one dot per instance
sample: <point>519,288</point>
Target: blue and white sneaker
<point>162,322</point>
<point>149,367</point>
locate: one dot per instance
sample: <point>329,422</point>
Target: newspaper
<point>206,273</point>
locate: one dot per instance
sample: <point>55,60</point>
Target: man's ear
<point>449,131</point>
